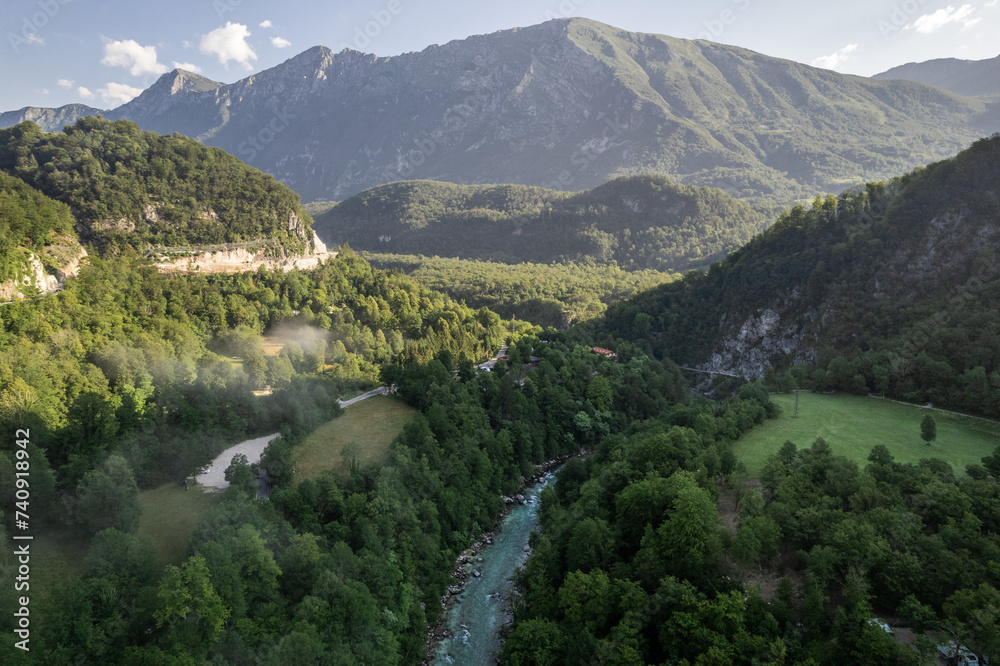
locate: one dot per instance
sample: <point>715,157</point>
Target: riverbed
<point>475,616</point>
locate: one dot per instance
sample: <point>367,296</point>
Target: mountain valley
<point>566,254</point>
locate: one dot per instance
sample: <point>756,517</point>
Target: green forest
<point>29,222</point>
<point>636,223</point>
<point>656,546</point>
<point>130,189</point>
<point>124,381</point>
<point>556,295</point>
<point>853,275</point>
<point>635,566</point>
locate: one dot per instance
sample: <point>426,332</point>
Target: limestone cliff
<point>900,274</point>
<point>242,260</point>
<point>35,279</point>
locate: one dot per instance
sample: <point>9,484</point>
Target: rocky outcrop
<point>49,120</point>
<point>72,267</point>
<point>242,260</point>
<point>746,348</point>
<point>35,277</point>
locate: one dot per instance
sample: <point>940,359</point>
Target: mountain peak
<point>49,120</point>
<point>314,57</point>
<point>182,81</point>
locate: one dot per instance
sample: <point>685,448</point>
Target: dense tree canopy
<point>637,223</point>
<point>892,289</point>
<point>132,189</point>
<point>556,295</point>
<point>30,221</point>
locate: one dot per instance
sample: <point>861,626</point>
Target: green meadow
<point>852,425</point>
<point>363,432</point>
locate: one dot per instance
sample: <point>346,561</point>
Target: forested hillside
<point>964,77</point>
<point>891,288</point>
<point>30,222</point>
<point>131,189</point>
<point>556,295</point>
<point>640,222</point>
<point>126,378</point>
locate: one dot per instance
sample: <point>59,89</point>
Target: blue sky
<point>102,52</point>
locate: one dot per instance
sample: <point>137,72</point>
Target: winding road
<point>214,475</point>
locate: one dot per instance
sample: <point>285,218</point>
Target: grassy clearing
<point>169,516</point>
<point>272,345</point>
<point>368,426</point>
<point>852,425</point>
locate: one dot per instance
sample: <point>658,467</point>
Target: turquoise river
<point>474,621</point>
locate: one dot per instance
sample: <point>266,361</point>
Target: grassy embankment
<point>852,425</point>
<point>170,513</point>
<point>366,429</point>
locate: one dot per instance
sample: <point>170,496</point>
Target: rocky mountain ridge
<point>567,104</point>
<point>49,120</point>
<point>964,77</point>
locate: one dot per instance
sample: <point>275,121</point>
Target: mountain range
<point>965,77</point>
<point>567,104</point>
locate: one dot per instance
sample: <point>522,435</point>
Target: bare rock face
<point>242,260</point>
<point>71,269</point>
<point>49,120</point>
<point>748,349</point>
<point>35,277</point>
<point>319,247</point>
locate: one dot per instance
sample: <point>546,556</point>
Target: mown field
<point>363,433</point>
<point>852,425</point>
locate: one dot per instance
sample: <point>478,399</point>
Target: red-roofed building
<point>604,352</point>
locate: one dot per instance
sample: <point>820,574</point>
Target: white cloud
<point>265,23</point>
<point>229,43</point>
<point>116,94</point>
<point>280,42</point>
<point>131,55</point>
<point>84,93</point>
<point>45,91</point>
<point>64,83</point>
<point>191,67</point>
<point>835,59</point>
<point>991,3</point>
<point>33,38</point>
<point>186,44</point>
<point>929,23</point>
